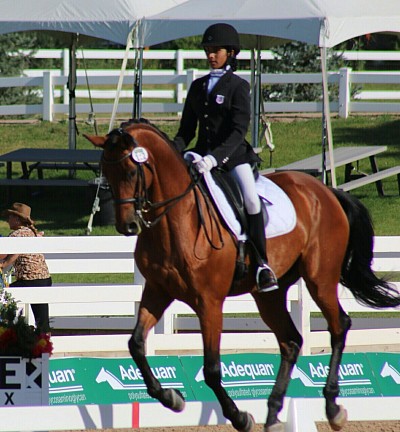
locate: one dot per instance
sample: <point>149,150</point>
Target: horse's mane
<point>143,123</point>
<point>146,124</point>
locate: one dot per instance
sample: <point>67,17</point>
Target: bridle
<point>140,198</point>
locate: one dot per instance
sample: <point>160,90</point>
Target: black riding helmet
<point>223,35</point>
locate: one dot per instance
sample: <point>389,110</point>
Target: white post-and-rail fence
<point>114,254</point>
<point>169,86</point>
<point>112,307</point>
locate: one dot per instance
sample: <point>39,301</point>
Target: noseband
<point>140,199</point>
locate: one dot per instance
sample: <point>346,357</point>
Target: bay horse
<point>185,252</point>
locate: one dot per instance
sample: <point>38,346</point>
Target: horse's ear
<point>96,140</point>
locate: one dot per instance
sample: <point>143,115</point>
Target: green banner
<point>355,376</point>
<point>79,380</point>
<point>386,367</point>
<point>110,380</point>
<point>244,376</point>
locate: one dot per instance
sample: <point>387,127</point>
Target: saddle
<point>235,199</point>
<point>234,196</point>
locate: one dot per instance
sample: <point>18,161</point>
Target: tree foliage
<point>12,64</point>
<point>297,57</point>
<point>188,43</point>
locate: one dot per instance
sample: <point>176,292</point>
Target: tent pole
<point>139,107</point>
<point>257,94</point>
<point>255,85</point>
<point>71,89</point>
<point>137,85</point>
<point>120,81</point>
<point>327,116</point>
<point>252,96</point>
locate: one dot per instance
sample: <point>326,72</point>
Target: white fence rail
<point>114,254</point>
<point>169,85</point>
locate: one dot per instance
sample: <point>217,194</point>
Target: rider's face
<point>216,56</point>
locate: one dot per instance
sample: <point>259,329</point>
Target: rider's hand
<point>205,164</point>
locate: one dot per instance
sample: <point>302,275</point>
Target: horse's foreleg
<point>274,313</point>
<point>211,327</point>
<point>150,312</point>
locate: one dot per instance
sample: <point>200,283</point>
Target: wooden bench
<point>40,166</point>
<point>372,178</point>
<point>343,156</point>
<point>267,171</point>
<point>43,182</point>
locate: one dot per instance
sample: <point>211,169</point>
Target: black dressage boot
<point>265,277</point>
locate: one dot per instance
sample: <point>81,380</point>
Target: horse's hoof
<point>250,424</point>
<point>177,400</point>
<point>277,427</point>
<point>339,420</point>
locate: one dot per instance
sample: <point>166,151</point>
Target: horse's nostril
<point>133,228</point>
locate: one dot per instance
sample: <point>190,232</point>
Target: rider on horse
<point>220,104</point>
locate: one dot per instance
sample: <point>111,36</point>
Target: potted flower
<point>24,357</point>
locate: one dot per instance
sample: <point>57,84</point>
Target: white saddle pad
<point>281,212</point>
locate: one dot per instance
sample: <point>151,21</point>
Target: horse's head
<point>129,174</point>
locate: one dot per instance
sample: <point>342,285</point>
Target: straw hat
<point>23,211</point>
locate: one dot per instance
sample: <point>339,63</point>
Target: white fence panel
<point>51,83</point>
<point>115,254</point>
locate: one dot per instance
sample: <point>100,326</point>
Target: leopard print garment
<point>29,266</point>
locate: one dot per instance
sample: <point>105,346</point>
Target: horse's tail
<point>357,274</point>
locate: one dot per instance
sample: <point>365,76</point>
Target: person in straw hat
<point>29,269</point>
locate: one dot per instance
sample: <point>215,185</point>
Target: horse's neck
<point>171,176</point>
<point>172,181</point>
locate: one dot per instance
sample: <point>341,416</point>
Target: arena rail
<point>112,307</point>
<point>169,85</point>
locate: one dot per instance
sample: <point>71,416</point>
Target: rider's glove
<point>205,164</point>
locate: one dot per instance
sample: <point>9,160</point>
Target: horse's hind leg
<point>273,311</point>
<point>150,311</point>
<point>337,415</point>
<point>210,316</point>
<point>325,296</point>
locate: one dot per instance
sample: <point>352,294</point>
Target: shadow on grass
<point>378,132</point>
<point>54,208</point>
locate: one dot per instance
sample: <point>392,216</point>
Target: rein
<point>141,201</point>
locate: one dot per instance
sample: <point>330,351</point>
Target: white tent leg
<point>255,66</point>
<point>327,114</point>
<point>252,96</point>
<point>120,81</point>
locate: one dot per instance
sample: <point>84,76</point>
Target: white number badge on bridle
<point>139,154</point>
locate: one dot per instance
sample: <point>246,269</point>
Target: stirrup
<point>266,279</point>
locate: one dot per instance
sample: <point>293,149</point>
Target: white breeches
<point>244,176</point>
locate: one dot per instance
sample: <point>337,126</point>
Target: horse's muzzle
<point>132,228</point>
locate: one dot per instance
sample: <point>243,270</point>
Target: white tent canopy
<point>325,23</point>
<point>112,20</point>
<point>319,22</point>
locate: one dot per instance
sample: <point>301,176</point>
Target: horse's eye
<point>133,172</point>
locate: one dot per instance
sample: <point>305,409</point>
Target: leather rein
<point>140,200</point>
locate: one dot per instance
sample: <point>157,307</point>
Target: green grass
<point>60,212</point>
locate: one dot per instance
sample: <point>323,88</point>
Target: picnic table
<point>48,159</point>
<point>347,157</point>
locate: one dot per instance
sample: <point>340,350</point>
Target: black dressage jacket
<point>223,117</point>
